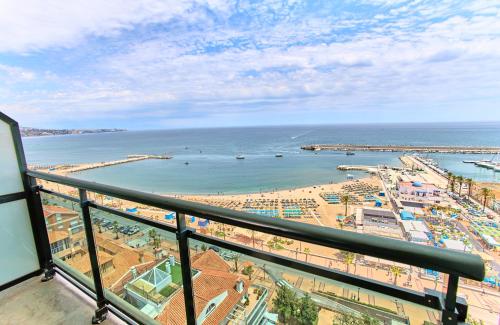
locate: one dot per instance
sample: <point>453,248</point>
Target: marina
<point>349,148</point>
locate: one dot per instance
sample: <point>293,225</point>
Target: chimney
<point>133,270</point>
<point>239,286</point>
<point>171,260</point>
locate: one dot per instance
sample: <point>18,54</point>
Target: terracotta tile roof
<point>57,235</point>
<point>51,209</point>
<point>209,260</point>
<point>207,285</point>
<point>82,262</point>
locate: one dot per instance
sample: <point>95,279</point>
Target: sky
<point>150,64</point>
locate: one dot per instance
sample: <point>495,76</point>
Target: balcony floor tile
<point>53,302</point>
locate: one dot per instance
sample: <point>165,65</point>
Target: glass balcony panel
<point>17,246</point>
<point>140,265</point>
<point>68,242</point>
<point>9,167</point>
<point>254,290</point>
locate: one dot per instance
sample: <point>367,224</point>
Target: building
<point>60,218</point>
<point>377,221</point>
<point>418,189</point>
<point>219,295</point>
<point>65,230</point>
<point>415,231</point>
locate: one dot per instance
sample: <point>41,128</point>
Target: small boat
<point>240,157</point>
<point>349,153</point>
<point>186,163</point>
<point>468,161</point>
<point>278,155</point>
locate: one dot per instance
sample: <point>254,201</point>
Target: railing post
<point>449,316</point>
<point>187,282</point>
<point>102,309</point>
<point>35,208</point>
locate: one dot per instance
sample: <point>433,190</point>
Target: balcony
<point>67,238</point>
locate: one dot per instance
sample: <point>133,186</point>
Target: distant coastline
<point>35,132</point>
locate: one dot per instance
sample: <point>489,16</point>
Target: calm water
<point>211,154</point>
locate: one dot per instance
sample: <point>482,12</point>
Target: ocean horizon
<point>211,154</point>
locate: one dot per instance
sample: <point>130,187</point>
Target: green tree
<point>98,223</point>
<point>396,272</point>
<point>345,199</point>
<point>470,184</point>
<point>236,259</point>
<point>248,270</point>
<point>308,311</point>
<point>307,251</point>
<point>449,176</point>
<point>152,235</point>
<point>348,319</point>
<point>460,180</point>
<point>348,258</point>
<point>452,183</point>
<point>486,194</point>
<point>285,304</point>
<point>115,229</point>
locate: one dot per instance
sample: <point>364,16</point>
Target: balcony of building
<point>86,260</point>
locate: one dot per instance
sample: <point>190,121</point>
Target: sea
<point>204,160</point>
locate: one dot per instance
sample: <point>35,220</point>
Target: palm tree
<point>98,223</point>
<point>115,229</point>
<point>449,176</point>
<point>345,200</point>
<point>307,251</point>
<point>486,194</point>
<point>236,258</point>
<point>470,183</point>
<point>348,258</point>
<point>452,183</point>
<point>460,180</point>
<point>152,235</point>
<point>396,272</point>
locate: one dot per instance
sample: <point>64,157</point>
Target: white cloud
<point>265,61</point>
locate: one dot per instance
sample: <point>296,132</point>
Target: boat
<point>240,157</point>
<point>469,161</point>
<point>349,153</point>
<point>186,163</point>
<point>278,155</point>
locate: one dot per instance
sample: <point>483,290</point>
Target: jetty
<point>66,169</point>
<point>370,169</point>
<point>401,148</point>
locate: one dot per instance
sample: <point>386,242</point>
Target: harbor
<point>401,148</point>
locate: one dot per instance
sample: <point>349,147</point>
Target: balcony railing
<point>452,309</point>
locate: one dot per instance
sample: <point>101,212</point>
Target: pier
<point>370,169</point>
<point>68,169</point>
<point>399,148</point>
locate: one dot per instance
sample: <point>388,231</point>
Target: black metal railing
<point>455,264</point>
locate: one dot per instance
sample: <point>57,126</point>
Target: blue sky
<point>201,63</point>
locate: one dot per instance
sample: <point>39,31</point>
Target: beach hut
<point>131,210</point>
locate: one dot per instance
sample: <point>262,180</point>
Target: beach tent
<point>417,184</point>
<point>170,216</point>
<point>192,219</point>
<point>132,210</point>
<point>407,215</point>
<point>203,223</point>
<point>378,203</point>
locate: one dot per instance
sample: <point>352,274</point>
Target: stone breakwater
<point>400,148</point>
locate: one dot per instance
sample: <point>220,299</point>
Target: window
<point>210,309</point>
